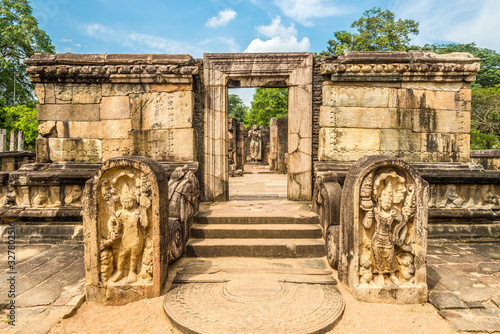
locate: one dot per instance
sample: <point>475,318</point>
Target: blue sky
<point>195,26</point>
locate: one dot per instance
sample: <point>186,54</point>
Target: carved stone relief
<point>326,203</point>
<point>126,230</point>
<point>127,226</point>
<point>469,196</point>
<point>73,195</point>
<point>384,231</point>
<point>255,136</point>
<point>184,200</point>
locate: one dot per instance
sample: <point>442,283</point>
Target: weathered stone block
<point>42,150</point>
<point>125,229</point>
<point>68,112</point>
<point>451,147</point>
<point>50,93</point>
<point>47,129</point>
<point>383,231</point>
<point>353,117</point>
<point>87,94</point>
<point>40,92</point>
<point>170,88</point>
<point>465,94</point>
<point>369,97</point>
<point>426,99</point>
<point>115,107</point>
<point>112,148</point>
<point>163,110</point>
<point>73,149</point>
<point>105,129</point>
<point>123,89</point>
<point>166,145</point>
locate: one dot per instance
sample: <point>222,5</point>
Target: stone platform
<point>247,295</point>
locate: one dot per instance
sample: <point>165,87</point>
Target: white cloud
<point>459,21</point>
<point>66,40</point>
<point>281,39</point>
<point>97,30</point>
<point>303,11</point>
<point>139,42</point>
<point>220,44</point>
<point>225,16</point>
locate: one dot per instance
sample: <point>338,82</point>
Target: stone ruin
<point>125,231</point>
<point>383,231</point>
<point>413,106</point>
<point>278,144</point>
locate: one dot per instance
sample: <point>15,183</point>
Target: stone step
<point>201,218</point>
<point>272,248</point>
<point>287,231</point>
<point>256,212</point>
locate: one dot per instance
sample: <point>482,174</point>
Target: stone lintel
<point>109,59</point>
<point>401,66</point>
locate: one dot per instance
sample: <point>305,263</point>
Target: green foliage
<point>20,38</point>
<point>485,118</point>
<point>236,107</point>
<point>489,74</point>
<point>377,31</point>
<point>22,118</point>
<point>267,103</point>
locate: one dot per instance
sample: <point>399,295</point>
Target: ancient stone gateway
<point>292,70</point>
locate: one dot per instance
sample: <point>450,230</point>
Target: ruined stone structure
<point>383,231</point>
<point>184,201</point>
<point>278,144</point>
<point>125,229</point>
<point>236,143</point>
<point>173,108</point>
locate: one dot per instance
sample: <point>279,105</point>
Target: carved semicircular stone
<point>254,306</point>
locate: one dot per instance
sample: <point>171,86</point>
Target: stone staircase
<point>272,229</point>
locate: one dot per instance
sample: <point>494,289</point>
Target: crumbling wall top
<point>401,65</point>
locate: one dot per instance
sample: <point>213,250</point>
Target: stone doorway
<point>292,70</point>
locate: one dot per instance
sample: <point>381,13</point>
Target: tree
<point>489,74</point>
<point>267,103</point>
<point>485,118</point>
<point>236,107</point>
<point>377,31</point>
<point>22,118</point>
<point>20,38</point>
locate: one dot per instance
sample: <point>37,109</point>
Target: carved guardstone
<point>125,215</point>
<point>383,236</point>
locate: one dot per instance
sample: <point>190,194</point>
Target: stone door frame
<point>245,70</point>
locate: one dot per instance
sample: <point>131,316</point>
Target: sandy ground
<point>147,316</point>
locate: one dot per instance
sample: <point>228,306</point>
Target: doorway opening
<point>257,143</point>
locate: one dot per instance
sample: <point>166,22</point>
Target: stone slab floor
<point>464,284</point>
<point>257,184</point>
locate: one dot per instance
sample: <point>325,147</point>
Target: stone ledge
<point>401,66</point>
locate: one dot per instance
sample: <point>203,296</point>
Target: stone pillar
<point>240,146</point>
<point>282,144</point>
<point>3,140</point>
<point>383,231</point>
<point>20,141</point>
<point>13,141</point>
<point>125,217</point>
<point>273,143</point>
<point>232,130</point>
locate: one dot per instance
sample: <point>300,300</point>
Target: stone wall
<point>95,107</point>
<point>414,105</point>
<point>489,159</point>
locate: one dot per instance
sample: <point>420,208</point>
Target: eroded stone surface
<point>125,217</point>
<point>384,231</point>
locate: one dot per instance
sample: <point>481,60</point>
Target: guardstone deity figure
<point>394,207</point>
<point>255,143</point>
